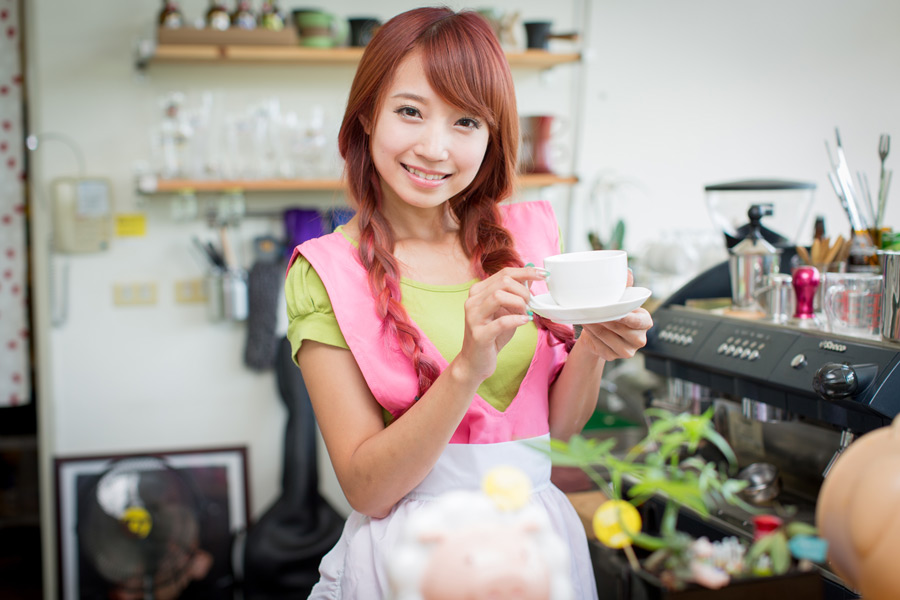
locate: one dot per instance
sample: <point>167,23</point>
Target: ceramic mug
<point>362,29</point>
<point>319,29</point>
<point>538,152</point>
<point>853,303</point>
<point>587,279</point>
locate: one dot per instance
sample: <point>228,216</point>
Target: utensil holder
<point>226,295</point>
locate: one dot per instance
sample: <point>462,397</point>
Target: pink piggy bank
<point>463,547</point>
<point>857,513</point>
<point>491,562</point>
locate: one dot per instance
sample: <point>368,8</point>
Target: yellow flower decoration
<point>508,487</point>
<point>609,520</point>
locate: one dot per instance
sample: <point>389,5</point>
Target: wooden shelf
<point>235,53</point>
<point>151,185</point>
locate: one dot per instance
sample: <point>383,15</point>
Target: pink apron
<point>485,438</point>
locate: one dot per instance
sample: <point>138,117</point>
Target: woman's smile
<point>425,150</point>
<point>426,177</point>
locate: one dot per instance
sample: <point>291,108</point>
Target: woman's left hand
<point>621,338</point>
<point>617,339</point>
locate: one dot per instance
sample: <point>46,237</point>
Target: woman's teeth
<point>423,175</point>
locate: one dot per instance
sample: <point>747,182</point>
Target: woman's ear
<point>366,124</point>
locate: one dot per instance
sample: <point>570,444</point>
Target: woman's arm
<point>377,465</point>
<point>574,394</point>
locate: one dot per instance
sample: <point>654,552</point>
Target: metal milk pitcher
<point>751,261</point>
<point>890,306</point>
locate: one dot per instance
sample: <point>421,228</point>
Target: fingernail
<point>531,314</point>
<point>529,264</point>
<point>543,273</point>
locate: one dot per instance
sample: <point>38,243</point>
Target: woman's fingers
<point>497,290</point>
<point>619,339</point>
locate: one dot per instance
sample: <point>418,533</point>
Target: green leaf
<point>800,528</point>
<point>780,553</point>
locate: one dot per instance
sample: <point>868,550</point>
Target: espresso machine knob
<point>836,381</point>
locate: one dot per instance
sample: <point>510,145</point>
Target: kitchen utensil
<point>884,180</point>
<point>846,180</point>
<point>890,311</point>
<point>866,193</point>
<point>804,255</point>
<point>852,303</point>
<point>750,261</point>
<point>764,483</point>
<point>777,297</point>
<point>805,281</point>
<point>832,253</point>
<point>843,181</point>
<point>786,225</point>
<point>823,267</point>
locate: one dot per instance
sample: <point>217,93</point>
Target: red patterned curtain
<point>15,379</point>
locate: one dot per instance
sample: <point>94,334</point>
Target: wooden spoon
<point>834,250</point>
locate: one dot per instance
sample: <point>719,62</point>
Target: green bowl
<point>318,41</point>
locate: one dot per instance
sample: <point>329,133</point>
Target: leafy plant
<point>666,464</point>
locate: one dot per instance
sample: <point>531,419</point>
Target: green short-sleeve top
<point>438,310</point>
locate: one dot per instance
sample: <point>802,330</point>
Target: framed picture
<point>158,524</point>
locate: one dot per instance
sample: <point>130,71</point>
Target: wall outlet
<point>133,294</point>
<point>190,291</point>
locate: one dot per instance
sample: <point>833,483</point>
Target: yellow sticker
<point>138,521</point>
<point>131,225</point>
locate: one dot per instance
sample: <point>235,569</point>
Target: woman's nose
<point>432,144</point>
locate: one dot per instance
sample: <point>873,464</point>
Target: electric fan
<point>139,528</point>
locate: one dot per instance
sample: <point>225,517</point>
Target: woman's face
<point>425,150</point>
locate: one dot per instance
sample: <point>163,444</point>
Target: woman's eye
<point>469,123</point>
<point>407,111</point>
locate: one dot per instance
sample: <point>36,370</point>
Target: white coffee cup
<point>586,279</point>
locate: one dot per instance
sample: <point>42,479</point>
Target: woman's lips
<point>426,177</point>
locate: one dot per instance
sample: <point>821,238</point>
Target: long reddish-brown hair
<point>466,66</point>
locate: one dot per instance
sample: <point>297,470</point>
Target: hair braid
<point>376,244</point>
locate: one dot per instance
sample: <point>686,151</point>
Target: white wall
<point>678,95</point>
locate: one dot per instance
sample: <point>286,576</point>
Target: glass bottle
<point>863,257</point>
<point>217,16</point>
<point>270,17</point>
<point>243,17</point>
<point>170,16</point>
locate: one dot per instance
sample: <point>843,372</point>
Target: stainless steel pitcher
<point>890,307</point>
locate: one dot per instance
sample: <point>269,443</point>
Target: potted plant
<point>664,477</point>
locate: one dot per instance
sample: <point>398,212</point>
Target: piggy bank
<point>462,546</point>
<point>857,514</point>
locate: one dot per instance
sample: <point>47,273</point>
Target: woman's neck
<point>426,245</point>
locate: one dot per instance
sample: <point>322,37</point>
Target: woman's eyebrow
<point>410,96</point>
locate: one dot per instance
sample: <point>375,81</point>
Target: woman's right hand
<point>495,308</point>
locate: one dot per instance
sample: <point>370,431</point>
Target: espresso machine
<point>784,394</point>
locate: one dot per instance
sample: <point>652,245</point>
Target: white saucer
<point>630,300</point>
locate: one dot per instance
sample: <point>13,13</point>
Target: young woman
<point>411,323</point>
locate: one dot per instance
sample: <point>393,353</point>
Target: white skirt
<point>354,569</point>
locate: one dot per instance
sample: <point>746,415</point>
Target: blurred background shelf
<point>152,53</point>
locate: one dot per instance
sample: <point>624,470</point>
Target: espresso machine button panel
<point>682,334</point>
<point>848,383</point>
